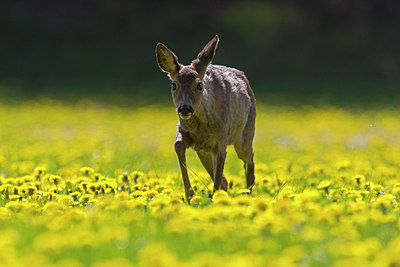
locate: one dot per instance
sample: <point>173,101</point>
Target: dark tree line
<point>294,47</point>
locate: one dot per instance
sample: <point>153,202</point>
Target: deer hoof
<point>189,195</point>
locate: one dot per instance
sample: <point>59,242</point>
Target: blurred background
<point>337,52</point>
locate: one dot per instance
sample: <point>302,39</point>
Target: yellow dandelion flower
<point>55,179</point>
<point>26,189</point>
<point>38,172</point>
<point>168,191</point>
<point>136,175</point>
<point>83,185</point>
<point>50,242</point>
<point>10,180</point>
<point>324,184</point>
<point>85,198</point>
<point>151,193</point>
<point>359,179</point>
<point>196,200</point>
<point>66,201</point>
<point>87,171</point>
<point>260,204</point>
<point>6,188</point>
<point>220,194</point>
<point>75,195</point>
<point>243,192</point>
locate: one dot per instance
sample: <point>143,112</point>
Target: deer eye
<point>173,86</point>
<point>199,86</point>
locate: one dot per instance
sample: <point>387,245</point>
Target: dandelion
<point>221,198</point>
<point>136,176</point>
<point>39,172</point>
<point>243,192</point>
<point>27,190</point>
<point>87,171</point>
<point>196,200</point>
<point>151,193</point>
<point>83,186</point>
<point>66,201</point>
<point>98,177</point>
<point>260,204</point>
<point>359,179</point>
<point>55,179</point>
<point>125,177</point>
<point>85,198</point>
<point>311,208</point>
<point>27,179</point>
<point>75,195</point>
<point>324,185</point>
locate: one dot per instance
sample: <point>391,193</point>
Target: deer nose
<point>185,110</point>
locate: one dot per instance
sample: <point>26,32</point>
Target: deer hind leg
<point>206,160</point>
<point>218,163</point>
<point>246,155</point>
<point>244,148</point>
<point>180,148</point>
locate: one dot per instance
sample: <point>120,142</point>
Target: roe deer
<point>216,108</point>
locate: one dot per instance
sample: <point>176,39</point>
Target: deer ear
<point>167,60</point>
<point>205,57</point>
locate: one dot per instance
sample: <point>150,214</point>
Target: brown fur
<point>224,113</point>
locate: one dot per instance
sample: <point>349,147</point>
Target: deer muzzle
<point>185,112</point>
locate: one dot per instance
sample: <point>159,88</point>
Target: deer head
<point>186,81</point>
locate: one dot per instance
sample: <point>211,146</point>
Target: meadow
<point>87,184</point>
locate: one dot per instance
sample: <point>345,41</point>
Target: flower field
<point>95,185</point>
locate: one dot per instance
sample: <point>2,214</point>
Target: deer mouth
<point>185,116</point>
<point>185,112</point>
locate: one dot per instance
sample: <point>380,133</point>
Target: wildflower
<point>98,177</point>
<point>221,198</point>
<point>6,188</point>
<point>39,172</point>
<point>75,195</point>
<point>260,204</point>
<point>55,179</point>
<point>27,190</point>
<point>196,200</point>
<point>83,186</point>
<point>168,191</point>
<point>164,256</point>
<point>243,192</point>
<point>17,206</point>
<point>136,176</point>
<point>343,165</point>
<point>27,179</point>
<point>151,193</point>
<point>123,178</point>
<point>66,201</point>
<point>359,179</point>
<point>85,198</point>
<point>325,186</point>
<point>10,181</point>
<point>49,242</point>
<point>87,171</point>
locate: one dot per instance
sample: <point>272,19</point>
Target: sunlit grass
<point>97,185</point>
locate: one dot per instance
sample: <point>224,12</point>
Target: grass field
<point>93,185</point>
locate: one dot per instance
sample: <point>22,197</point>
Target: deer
<point>216,107</point>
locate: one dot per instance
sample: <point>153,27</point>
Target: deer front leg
<point>219,162</point>
<point>180,149</point>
